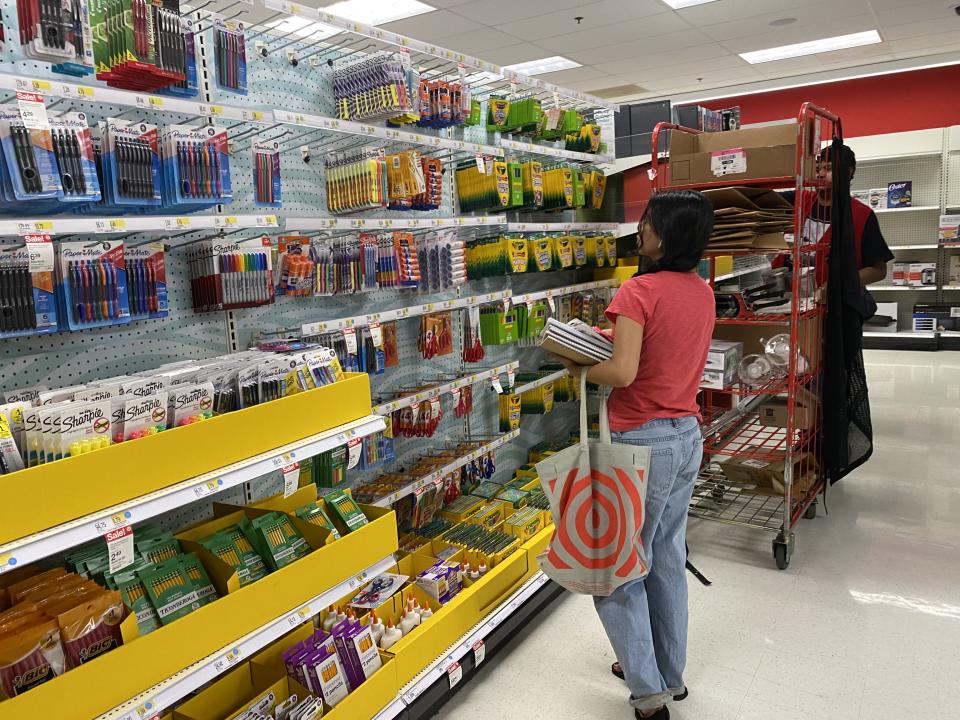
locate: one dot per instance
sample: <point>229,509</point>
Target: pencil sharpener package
<point>147,280</point>
<point>27,300</point>
<point>93,284</point>
<point>57,31</point>
<point>196,166</point>
<point>131,163</point>
<point>30,167</point>
<point>229,40</point>
<point>266,174</point>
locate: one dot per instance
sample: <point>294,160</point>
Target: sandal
<point>618,671</point>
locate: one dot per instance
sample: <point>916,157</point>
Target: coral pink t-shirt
<point>677,313</point>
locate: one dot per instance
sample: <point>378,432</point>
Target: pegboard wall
<point>926,173</point>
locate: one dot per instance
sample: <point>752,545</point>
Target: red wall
<point>915,100</point>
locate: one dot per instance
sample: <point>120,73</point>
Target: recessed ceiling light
<point>303,28</point>
<point>840,42</point>
<point>783,22</point>
<point>545,65</point>
<point>378,12</point>
<point>680,4</point>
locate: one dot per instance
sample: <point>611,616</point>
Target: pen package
<point>188,87</point>
<point>229,40</point>
<point>196,166</point>
<point>73,149</point>
<point>338,266</point>
<point>376,87</point>
<point>92,277</point>
<point>57,31</point>
<point>266,174</point>
<point>29,167</point>
<point>147,280</point>
<point>27,300</point>
<point>131,163</point>
<point>295,275</point>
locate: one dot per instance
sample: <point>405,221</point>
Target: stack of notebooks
<point>748,218</point>
<point>576,341</point>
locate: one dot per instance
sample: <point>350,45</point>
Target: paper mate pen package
<point>266,174</point>
<point>27,300</point>
<point>30,167</point>
<point>73,149</point>
<point>190,403</point>
<point>147,280</point>
<point>187,52</point>
<point>196,166</point>
<point>92,277</point>
<point>130,163</point>
<point>229,42</point>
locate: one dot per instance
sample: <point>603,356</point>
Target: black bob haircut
<point>848,158</point>
<point>683,219</point>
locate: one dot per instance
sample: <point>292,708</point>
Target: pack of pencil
<point>92,277</point>
<point>147,280</point>
<point>177,587</point>
<point>27,301</point>
<point>314,514</point>
<point>277,540</point>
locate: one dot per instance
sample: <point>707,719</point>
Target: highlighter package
<point>92,278</point>
<point>30,166</point>
<point>147,280</point>
<point>196,167</point>
<point>27,300</point>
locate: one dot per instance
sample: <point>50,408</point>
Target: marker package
<point>69,429</point>
<point>93,284</point>
<point>134,417</point>
<point>10,458</point>
<point>131,163</point>
<point>147,280</point>
<point>73,148</point>
<point>230,42</point>
<point>196,166</point>
<point>189,404</point>
<point>227,273</point>
<point>57,31</point>
<point>27,299</point>
<point>30,167</point>
<point>266,174</point>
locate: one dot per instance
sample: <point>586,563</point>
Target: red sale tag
<point>120,547</point>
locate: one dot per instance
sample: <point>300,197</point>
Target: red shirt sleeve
<point>635,300</point>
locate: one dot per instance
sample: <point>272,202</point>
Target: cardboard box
<point>954,270</point>
<point>724,355</point>
<point>949,229</point>
<point>717,379</point>
<point>773,411</point>
<point>900,194</point>
<point>900,272</point>
<point>767,476</point>
<point>885,309</point>
<point>922,274</point>
<point>735,155</point>
<point>877,198</point>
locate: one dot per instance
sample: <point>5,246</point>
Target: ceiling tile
<point>629,31</point>
<point>434,26</point>
<point>565,77</point>
<point>826,61</point>
<point>511,54</point>
<point>790,35</point>
<point>807,16</point>
<point>917,12</point>
<point>477,43</point>
<point>925,42</point>
<point>709,80</point>
<point>915,30</point>
<point>653,54</point>
<point>498,12</point>
<point>639,69</point>
<point>595,15</point>
<point>713,13</point>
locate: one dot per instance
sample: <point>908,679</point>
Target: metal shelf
<point>916,208</point>
<point>63,537</point>
<point>901,288</point>
<point>951,287</point>
<point>716,498</point>
<point>527,387</point>
<point>560,227</point>
<point>163,695</point>
<point>136,224</point>
<point>905,334</point>
<point>438,390</point>
<point>534,149</point>
<point>926,246</point>
<point>741,271</point>
<point>449,468</point>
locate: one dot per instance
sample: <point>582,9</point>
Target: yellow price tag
<point>84,92</point>
<point>256,115</point>
<point>41,85</point>
<point>156,102</point>
<point>216,110</point>
<point>183,222</point>
<point>4,426</point>
<point>118,224</point>
<point>230,220</point>
<point>43,225</point>
<point>294,9</point>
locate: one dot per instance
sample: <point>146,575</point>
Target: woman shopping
<point>663,321</point>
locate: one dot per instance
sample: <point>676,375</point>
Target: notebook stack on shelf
<point>576,341</point>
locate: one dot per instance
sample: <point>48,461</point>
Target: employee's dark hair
<point>683,219</point>
<point>848,158</point>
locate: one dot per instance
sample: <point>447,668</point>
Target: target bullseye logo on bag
<point>597,490</point>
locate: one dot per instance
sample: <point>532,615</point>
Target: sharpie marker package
<point>147,280</point>
<point>229,42</point>
<point>196,166</point>
<point>30,167</point>
<point>27,300</point>
<point>93,284</point>
<point>131,163</point>
<point>227,273</point>
<point>73,149</point>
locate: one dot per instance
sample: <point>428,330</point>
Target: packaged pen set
<point>227,273</point>
<point>230,51</point>
<point>196,167</point>
<point>267,188</point>
<point>93,284</point>
<point>130,163</point>
<point>146,280</point>
<point>58,32</point>
<point>27,299</point>
<point>139,44</point>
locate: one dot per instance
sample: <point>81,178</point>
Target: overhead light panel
<point>680,4</point>
<point>813,47</point>
<point>545,65</point>
<point>378,12</point>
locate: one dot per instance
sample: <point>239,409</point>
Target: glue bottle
<point>376,627</point>
<point>330,620</point>
<point>391,636</point>
<point>407,622</point>
<point>426,613</point>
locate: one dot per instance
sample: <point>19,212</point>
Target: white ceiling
<point>670,52</point>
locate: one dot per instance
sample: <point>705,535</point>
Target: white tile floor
<point>865,624</point>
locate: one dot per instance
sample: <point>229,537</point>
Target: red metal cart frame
<point>732,427</point>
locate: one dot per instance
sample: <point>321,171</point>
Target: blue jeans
<point>646,620</point>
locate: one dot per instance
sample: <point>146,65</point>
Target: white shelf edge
<point>534,149</point>
<point>951,287</point>
<point>114,225</point>
<point>527,387</point>
<point>560,227</point>
<point>565,290</point>
<point>901,288</point>
<point>161,696</point>
<point>908,334</point>
<point>913,208</point>
<point>436,51</point>
<point>928,246</point>
<point>741,271</point>
<point>348,223</point>
<point>62,537</point>
<point>904,156</point>
<point>411,488</point>
<point>438,668</point>
<point>445,389</point>
<point>949,333</point>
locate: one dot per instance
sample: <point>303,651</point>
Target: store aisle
<point>864,624</point>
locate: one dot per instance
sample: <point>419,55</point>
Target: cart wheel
<point>717,493</point>
<point>781,553</point>
<point>811,512</point>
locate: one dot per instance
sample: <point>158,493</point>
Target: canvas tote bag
<point>597,491</point>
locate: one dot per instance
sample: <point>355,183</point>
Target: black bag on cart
<point>847,429</point>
